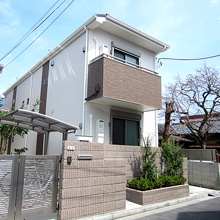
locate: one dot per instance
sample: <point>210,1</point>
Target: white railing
<point>123,61</point>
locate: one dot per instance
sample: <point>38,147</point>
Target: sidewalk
<point>132,208</point>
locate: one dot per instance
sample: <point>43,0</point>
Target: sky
<point>190,27</point>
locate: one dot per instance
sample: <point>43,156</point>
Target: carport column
<point>46,141</point>
<point>65,136</point>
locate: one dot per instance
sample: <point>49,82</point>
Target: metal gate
<point>28,186</point>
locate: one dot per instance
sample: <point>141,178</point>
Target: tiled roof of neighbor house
<point>182,129</point>
<point>192,117</point>
<point>176,138</point>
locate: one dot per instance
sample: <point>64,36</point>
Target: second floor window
<point>126,57</point>
<point>125,54</point>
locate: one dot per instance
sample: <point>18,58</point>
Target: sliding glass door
<point>125,132</point>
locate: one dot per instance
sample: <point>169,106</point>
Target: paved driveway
<point>203,209</point>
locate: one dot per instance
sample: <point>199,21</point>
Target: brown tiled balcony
<point>123,85</point>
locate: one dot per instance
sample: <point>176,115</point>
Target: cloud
<point>214,1</point>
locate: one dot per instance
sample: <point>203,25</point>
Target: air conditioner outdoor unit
<point>103,49</point>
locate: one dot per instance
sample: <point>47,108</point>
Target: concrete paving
<point>197,194</point>
<point>201,209</point>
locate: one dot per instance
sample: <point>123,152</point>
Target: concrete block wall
<point>204,174</point>
<point>97,186</point>
<point>91,187</point>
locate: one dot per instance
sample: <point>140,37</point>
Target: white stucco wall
<point>150,127</point>
<point>22,93</point>
<point>35,88</point>
<point>65,89</point>
<point>30,88</point>
<point>8,100</point>
<point>98,112</point>
<point>147,58</point>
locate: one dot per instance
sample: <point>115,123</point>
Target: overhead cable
<point>41,33</point>
<point>185,59</point>
<point>33,28</point>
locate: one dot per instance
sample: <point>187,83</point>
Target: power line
<point>185,59</point>
<point>159,63</point>
<point>41,33</point>
<point>33,28</point>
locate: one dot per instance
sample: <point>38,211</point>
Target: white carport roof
<point>38,122</point>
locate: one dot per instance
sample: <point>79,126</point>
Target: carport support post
<point>46,141</point>
<point>65,134</point>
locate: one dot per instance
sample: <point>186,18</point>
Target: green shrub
<point>173,158</point>
<point>140,184</point>
<point>148,169</point>
<point>162,181</point>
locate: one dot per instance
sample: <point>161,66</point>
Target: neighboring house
<point>184,142</point>
<point>213,141</point>
<point>102,78</point>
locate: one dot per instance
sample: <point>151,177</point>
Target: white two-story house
<point>102,78</point>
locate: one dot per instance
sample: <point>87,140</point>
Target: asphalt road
<point>203,209</point>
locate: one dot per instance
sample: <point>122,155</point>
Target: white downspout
<point>96,45</point>
<point>91,124</point>
<point>85,83</point>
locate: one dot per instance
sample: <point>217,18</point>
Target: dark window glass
<point>127,57</point>
<point>118,131</point>
<point>119,54</point>
<point>45,81</point>
<point>131,128</point>
<point>132,59</point>
<point>125,132</point>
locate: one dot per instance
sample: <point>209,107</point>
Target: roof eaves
<point>134,30</point>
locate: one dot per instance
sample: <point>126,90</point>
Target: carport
<point>38,122</point>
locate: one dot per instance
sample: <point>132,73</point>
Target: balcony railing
<point>123,61</point>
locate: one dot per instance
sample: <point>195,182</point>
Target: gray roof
<point>182,129</point>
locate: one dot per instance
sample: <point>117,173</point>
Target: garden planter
<point>157,195</point>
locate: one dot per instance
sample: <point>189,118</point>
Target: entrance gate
<point>28,186</point>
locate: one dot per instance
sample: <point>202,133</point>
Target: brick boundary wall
<point>97,186</point>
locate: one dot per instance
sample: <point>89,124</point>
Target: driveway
<point>201,209</point>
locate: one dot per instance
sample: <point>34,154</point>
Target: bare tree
<point>169,110</point>
<point>197,94</point>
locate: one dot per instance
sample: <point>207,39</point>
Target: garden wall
<point>94,182</point>
<point>157,195</point>
<point>204,174</point>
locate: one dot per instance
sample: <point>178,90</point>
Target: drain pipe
<point>85,83</point>
<point>96,45</point>
<point>91,125</point>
